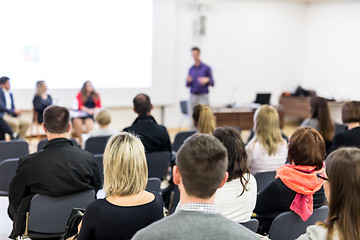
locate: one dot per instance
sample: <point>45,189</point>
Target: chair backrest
<point>44,141</point>
<point>180,138</point>
<point>289,225</point>
<point>96,145</point>
<point>174,199</point>
<point>48,215</point>
<point>13,149</point>
<point>153,185</point>
<point>158,164</point>
<point>99,162</point>
<point>252,224</point>
<point>263,179</point>
<point>8,169</point>
<point>184,107</point>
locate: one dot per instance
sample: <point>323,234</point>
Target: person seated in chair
<point>8,111</point>
<point>200,171</point>
<point>60,169</point>
<point>103,119</point>
<point>155,137</point>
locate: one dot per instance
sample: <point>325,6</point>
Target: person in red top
<point>88,101</point>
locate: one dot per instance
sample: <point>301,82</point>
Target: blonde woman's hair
<point>103,118</point>
<point>267,128</point>
<point>39,88</point>
<point>204,119</point>
<point>125,167</point>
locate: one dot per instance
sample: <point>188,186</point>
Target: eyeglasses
<point>322,177</point>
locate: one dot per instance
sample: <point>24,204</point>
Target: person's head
<point>307,147</point>
<point>201,165</point>
<point>103,118</point>
<point>125,167</point>
<point>87,88</point>
<point>142,104</point>
<point>204,119</point>
<point>267,128</point>
<point>40,87</point>
<point>351,112</point>
<point>232,141</point>
<point>56,119</point>
<point>195,51</point>
<point>5,82</point>
<point>343,191</point>
<point>320,111</point>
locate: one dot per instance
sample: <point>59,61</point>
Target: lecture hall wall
<point>253,46</point>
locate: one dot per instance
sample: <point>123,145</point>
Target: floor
<point>6,223</point>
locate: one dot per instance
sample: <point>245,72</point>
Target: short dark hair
<point>56,119</point>
<point>196,49</point>
<point>351,112</point>
<point>142,104</point>
<point>4,79</point>
<point>202,162</point>
<point>307,147</point>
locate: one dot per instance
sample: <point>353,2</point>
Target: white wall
<point>252,46</point>
<point>333,49</point>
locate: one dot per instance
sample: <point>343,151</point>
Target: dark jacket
<point>3,108</point>
<point>60,169</point>
<point>154,136</point>
<point>350,138</point>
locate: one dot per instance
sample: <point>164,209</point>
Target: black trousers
<point>4,128</point>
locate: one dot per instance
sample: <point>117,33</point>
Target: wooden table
<point>239,117</point>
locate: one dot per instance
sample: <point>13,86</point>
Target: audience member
<point>41,100</point>
<point>88,101</point>
<point>60,169</point>
<point>204,119</point>
<point>8,111</point>
<point>351,117</point>
<point>201,169</point>
<point>321,120</point>
<point>342,189</point>
<point>296,186</point>
<point>155,137</point>
<point>127,206</point>
<point>237,198</point>
<point>267,150</point>
<point>103,118</point>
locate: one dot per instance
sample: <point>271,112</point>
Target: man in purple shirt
<point>199,79</point>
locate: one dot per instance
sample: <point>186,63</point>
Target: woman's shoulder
<point>315,232</point>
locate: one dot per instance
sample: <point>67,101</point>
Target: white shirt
<point>259,159</point>
<point>233,206</point>
<point>7,98</point>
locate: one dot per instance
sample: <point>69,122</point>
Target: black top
<point>277,198</point>
<point>154,137</point>
<point>106,221</point>
<point>350,138</point>
<point>39,106</point>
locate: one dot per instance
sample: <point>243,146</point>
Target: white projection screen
<point>67,42</point>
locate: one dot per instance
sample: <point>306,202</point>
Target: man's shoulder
<point>184,225</point>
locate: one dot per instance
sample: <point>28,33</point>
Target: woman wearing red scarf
<point>296,186</point>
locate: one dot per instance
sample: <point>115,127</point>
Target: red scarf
<point>302,180</point>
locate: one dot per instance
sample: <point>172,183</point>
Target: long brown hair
<point>237,164</point>
<point>320,111</point>
<point>204,119</point>
<point>267,128</point>
<point>84,92</point>
<point>343,171</point>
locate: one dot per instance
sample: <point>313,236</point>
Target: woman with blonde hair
<point>41,100</point>
<point>204,119</point>
<point>267,150</point>
<point>127,207</point>
<point>342,189</point>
